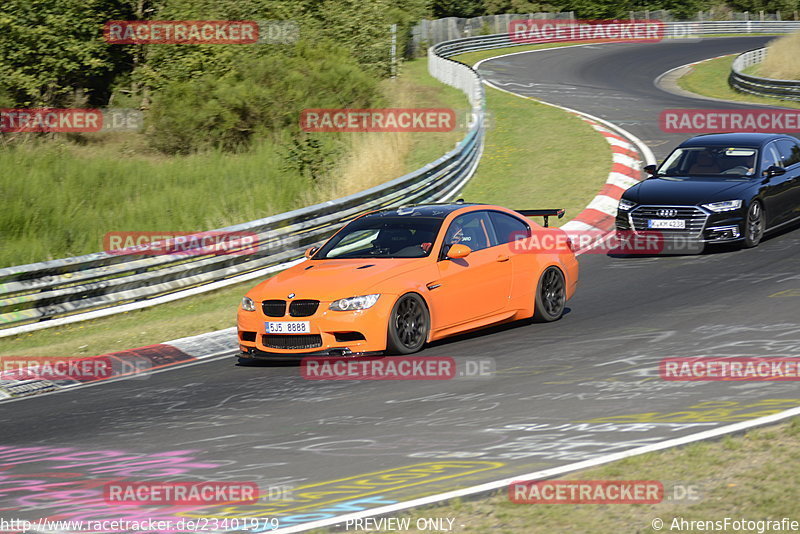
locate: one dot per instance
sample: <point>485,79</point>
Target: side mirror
<point>311,251</point>
<point>774,170</point>
<point>458,251</point>
<point>650,169</point>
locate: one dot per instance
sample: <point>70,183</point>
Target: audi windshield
<point>725,162</point>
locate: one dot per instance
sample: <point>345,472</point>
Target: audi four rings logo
<point>667,213</point>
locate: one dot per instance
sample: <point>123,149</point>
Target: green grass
<point>217,309</point>
<point>710,78</point>
<point>531,158</point>
<point>751,477</point>
<point>470,58</point>
<point>430,92</point>
<point>63,193</point>
<point>195,315</point>
<point>60,200</point>
<point>521,168</point>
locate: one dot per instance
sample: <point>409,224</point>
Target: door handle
<point>503,258</point>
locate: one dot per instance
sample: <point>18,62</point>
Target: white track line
<point>614,179</point>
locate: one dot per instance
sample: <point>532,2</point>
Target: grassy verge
<point>195,315</point>
<point>530,159</point>
<point>470,58</point>
<point>63,193</point>
<point>520,168</point>
<point>217,309</point>
<point>747,477</point>
<point>710,78</point>
<point>525,168</point>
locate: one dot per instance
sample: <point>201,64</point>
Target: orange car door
<point>475,286</point>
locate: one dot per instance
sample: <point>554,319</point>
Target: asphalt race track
<point>616,82</point>
<point>567,391</point>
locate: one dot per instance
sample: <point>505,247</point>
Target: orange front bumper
<point>360,331</point>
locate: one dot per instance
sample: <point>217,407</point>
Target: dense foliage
<point>52,54</point>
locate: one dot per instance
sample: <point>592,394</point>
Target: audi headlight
<point>725,205</point>
<point>626,205</point>
<point>248,304</point>
<point>362,302</point>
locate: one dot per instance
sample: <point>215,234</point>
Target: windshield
<point>725,162</point>
<point>383,237</point>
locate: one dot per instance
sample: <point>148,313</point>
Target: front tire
<point>551,296</point>
<point>754,225</point>
<point>409,324</point>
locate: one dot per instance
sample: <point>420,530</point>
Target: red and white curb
<point>626,171</point>
<point>136,363</point>
<point>628,156</point>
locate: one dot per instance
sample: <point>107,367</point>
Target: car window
<point>472,229</point>
<point>789,152</point>
<point>770,157</point>
<point>508,228</point>
<point>722,161</point>
<point>383,237</point>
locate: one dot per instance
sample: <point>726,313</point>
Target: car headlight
<point>725,205</point>
<point>248,304</point>
<point>626,205</point>
<point>354,303</point>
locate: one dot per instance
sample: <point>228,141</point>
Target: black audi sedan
<point>718,188</point>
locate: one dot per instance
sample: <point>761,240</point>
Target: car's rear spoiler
<point>542,213</point>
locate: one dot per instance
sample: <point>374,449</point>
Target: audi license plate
<point>667,223</point>
<point>288,327</point>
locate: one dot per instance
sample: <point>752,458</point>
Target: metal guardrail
<point>755,85</point>
<point>55,292</point>
<point>672,30</point>
<point>61,291</point>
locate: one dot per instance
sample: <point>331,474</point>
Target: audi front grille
<point>695,219</point>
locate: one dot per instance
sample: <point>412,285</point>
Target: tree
<point>457,8</point>
<point>52,52</point>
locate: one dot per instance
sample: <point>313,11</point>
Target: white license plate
<point>288,327</point>
<point>667,223</point>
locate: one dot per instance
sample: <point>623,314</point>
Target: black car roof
<point>425,210</point>
<point>745,139</point>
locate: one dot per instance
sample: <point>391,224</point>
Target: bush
<point>259,97</point>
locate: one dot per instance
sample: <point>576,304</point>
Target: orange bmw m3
<point>393,280</point>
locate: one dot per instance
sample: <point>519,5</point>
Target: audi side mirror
<point>311,251</point>
<point>774,170</point>
<point>650,169</point>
